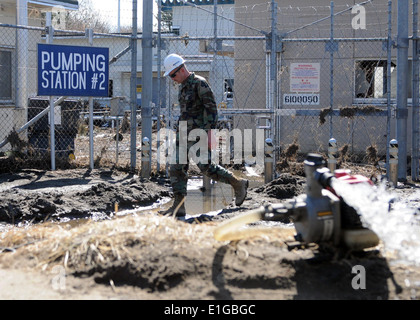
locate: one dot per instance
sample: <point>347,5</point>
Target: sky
<point>109,10</point>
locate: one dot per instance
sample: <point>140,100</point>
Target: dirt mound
<point>286,186</point>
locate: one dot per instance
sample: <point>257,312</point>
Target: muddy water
<point>208,201</point>
<point>203,197</point>
<point>200,200</point>
<point>215,196</point>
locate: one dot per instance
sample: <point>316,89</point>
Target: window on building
<point>175,30</point>
<point>6,75</point>
<point>371,79</point>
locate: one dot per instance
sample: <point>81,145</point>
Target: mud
<point>61,237</point>
<point>36,196</point>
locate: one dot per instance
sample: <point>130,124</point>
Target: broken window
<point>6,75</point>
<point>371,79</point>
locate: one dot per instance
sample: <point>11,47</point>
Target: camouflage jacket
<point>197,103</point>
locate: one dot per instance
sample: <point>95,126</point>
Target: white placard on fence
<point>304,77</point>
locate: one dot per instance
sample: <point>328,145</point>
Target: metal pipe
<point>119,17</point>
<point>119,55</point>
<point>33,120</point>
<point>192,38</point>
<point>145,158</point>
<point>313,162</point>
<point>393,162</point>
<point>332,154</point>
<point>117,140</point>
<point>52,133</point>
<point>268,160</point>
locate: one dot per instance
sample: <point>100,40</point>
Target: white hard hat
<point>172,62</point>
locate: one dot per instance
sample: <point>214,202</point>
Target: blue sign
<point>72,71</point>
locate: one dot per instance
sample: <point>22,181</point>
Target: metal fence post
<point>22,43</point>
<point>331,66</point>
<point>388,84</point>
<point>273,57</point>
<point>402,85</point>
<point>273,73</point>
<point>415,98</point>
<point>50,36</point>
<point>133,89</point>
<point>159,71</point>
<point>89,35</point>
<point>147,81</point>
<point>278,122</point>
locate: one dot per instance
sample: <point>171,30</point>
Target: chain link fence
<point>25,136</point>
<point>346,99</point>
<point>301,74</point>
<point>327,78</point>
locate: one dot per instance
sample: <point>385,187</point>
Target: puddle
<point>208,201</point>
<point>200,201</point>
<point>217,197</point>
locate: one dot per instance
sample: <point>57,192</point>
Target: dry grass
<point>88,244</point>
<point>91,242</point>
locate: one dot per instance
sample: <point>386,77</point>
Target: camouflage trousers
<point>179,171</point>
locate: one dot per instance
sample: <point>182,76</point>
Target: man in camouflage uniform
<point>198,111</point>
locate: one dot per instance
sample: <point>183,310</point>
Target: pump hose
<point>228,230</point>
